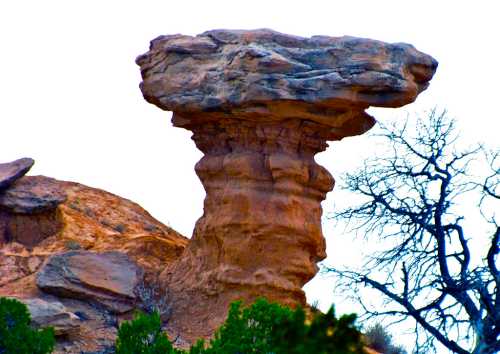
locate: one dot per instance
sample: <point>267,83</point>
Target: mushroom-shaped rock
<point>11,171</point>
<point>260,105</point>
<point>29,210</point>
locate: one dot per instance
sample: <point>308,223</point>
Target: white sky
<point>69,93</point>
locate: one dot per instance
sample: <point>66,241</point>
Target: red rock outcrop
<point>260,105</point>
<point>97,221</point>
<point>93,222</point>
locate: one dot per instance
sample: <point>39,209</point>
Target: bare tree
<point>432,270</point>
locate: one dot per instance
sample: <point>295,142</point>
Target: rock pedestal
<point>260,105</point>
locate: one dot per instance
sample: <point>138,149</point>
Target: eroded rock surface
<point>109,279</point>
<point>11,171</point>
<point>260,105</point>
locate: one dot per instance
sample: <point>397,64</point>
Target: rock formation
<point>106,232</point>
<point>260,105</point>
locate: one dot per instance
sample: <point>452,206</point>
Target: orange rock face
<point>260,105</point>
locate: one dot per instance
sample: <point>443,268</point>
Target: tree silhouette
<point>416,200</point>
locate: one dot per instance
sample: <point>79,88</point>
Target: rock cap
<point>266,75</point>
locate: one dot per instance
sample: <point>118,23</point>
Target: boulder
<point>108,279</point>
<point>52,313</point>
<point>11,171</point>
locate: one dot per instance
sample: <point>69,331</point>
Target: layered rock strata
<point>260,105</point>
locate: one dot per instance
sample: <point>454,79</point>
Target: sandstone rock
<point>108,279</point>
<point>266,75</point>
<point>52,313</point>
<point>260,105</point>
<point>11,171</point>
<point>31,195</point>
<point>90,219</point>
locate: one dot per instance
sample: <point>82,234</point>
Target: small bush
<point>143,336</point>
<point>261,328</point>
<point>380,340</point>
<point>151,297</point>
<point>16,335</point>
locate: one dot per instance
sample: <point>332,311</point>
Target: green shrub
<point>143,336</point>
<point>16,335</point>
<point>271,328</point>
<point>263,328</point>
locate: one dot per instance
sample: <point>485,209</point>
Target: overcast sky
<point>69,93</point>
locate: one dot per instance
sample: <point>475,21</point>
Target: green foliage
<point>143,336</point>
<point>270,328</point>
<point>263,328</point>
<point>16,335</point>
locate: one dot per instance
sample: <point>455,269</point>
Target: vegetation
<point>143,336</point>
<point>16,335</point>
<point>261,328</point>
<point>380,340</point>
<point>434,268</point>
